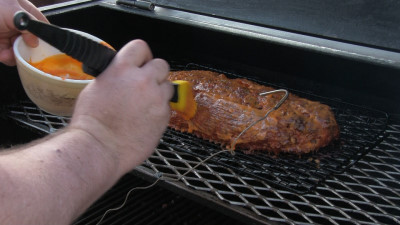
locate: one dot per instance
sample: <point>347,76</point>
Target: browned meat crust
<point>225,107</point>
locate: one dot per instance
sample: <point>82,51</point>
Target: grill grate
<point>30,115</point>
<point>361,188</point>
<point>366,193</point>
<point>361,130</point>
<point>151,206</point>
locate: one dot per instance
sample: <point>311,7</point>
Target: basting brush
<point>183,100</point>
<point>95,57</point>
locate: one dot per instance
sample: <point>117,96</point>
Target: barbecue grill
<point>350,62</point>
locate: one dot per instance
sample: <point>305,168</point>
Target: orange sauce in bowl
<point>64,66</point>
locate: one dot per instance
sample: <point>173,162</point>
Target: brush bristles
<point>186,105</point>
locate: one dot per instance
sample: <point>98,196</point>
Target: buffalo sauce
<point>64,66</point>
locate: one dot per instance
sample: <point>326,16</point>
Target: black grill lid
<point>364,22</point>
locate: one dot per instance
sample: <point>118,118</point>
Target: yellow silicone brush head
<point>184,102</point>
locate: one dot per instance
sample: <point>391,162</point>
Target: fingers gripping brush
<point>95,57</point>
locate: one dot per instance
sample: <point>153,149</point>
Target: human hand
<point>8,32</point>
<point>126,108</point>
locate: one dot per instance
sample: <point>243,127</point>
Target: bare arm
<point>55,179</point>
<point>118,121</point>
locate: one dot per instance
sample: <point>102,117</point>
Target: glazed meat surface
<point>225,107</point>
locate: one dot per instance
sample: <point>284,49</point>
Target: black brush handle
<point>175,97</point>
<point>94,56</point>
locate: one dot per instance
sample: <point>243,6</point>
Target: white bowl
<point>50,93</point>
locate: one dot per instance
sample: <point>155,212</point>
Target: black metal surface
<point>150,206</point>
<point>13,134</point>
<point>363,22</point>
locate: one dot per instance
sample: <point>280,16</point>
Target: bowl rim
<point>23,61</point>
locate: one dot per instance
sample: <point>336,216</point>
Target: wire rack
<point>366,193</point>
<point>150,206</point>
<point>361,130</point>
<point>316,188</point>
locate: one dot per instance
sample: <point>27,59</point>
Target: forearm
<point>53,181</point>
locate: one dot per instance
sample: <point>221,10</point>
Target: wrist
<point>96,150</point>
<point>92,167</point>
<point>104,138</point>
<point>67,170</point>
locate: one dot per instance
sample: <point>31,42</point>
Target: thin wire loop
<point>155,182</point>
<point>126,199</point>
<point>281,101</point>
